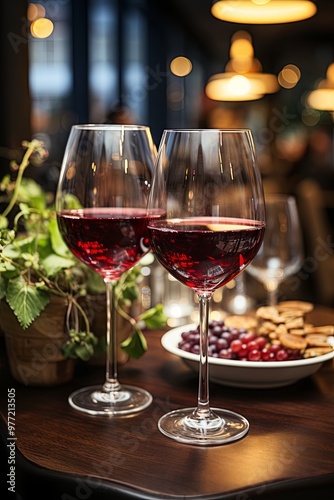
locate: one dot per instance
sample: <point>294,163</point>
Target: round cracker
<point>312,352</point>
<point>292,341</point>
<point>269,313</point>
<point>297,305</point>
<point>317,340</point>
<point>241,321</point>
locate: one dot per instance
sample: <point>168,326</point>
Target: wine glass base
<point>95,401</point>
<point>224,427</point>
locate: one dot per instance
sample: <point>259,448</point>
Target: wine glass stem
<point>272,289</point>
<point>111,382</point>
<point>203,407</point>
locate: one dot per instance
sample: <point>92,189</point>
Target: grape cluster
<point>227,342</point>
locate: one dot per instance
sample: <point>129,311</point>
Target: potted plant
<point>42,285</point>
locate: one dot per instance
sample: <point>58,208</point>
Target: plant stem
<point>125,315</point>
<point>25,162</point>
<point>82,312</point>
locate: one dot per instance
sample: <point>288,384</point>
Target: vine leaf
<point>26,301</point>
<point>58,244</point>
<point>154,318</point>
<point>53,264</point>
<point>136,345</point>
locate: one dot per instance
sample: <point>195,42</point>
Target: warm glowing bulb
<point>289,76</point>
<point>239,85</point>
<point>181,66</point>
<point>231,87</point>
<point>35,10</point>
<point>41,28</point>
<point>241,48</point>
<point>322,99</point>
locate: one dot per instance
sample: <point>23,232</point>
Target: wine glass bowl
<point>281,253</point>
<point>101,205</point>
<point>208,188</point>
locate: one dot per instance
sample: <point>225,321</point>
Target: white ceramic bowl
<point>247,374</point>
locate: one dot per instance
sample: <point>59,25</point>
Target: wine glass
<point>208,186</point>
<point>281,253</point>
<point>101,205</point>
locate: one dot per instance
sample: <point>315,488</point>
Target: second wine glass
<point>101,209</point>
<point>281,253</point>
<point>209,188</point>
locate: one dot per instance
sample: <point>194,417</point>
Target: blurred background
<point>172,63</point>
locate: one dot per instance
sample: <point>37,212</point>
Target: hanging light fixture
<point>263,11</point>
<point>323,97</point>
<point>231,87</point>
<point>243,79</point>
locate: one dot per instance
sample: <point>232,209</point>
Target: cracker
<point>327,330</point>
<point>241,321</point>
<point>312,352</point>
<point>292,341</point>
<point>316,340</point>
<point>295,305</point>
<point>269,313</point>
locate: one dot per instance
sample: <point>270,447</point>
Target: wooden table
<point>63,454</point>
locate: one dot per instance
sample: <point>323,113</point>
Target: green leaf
<point>31,193</point>
<point>9,272</point>
<point>95,283</point>
<point>154,318</point>
<point>24,209</point>
<point>20,245</point>
<point>9,267</point>
<point>130,292</point>
<point>71,202</point>
<point>54,263</point>
<point>6,236</point>
<point>44,247</point>
<point>136,345</point>
<point>84,351</point>
<point>127,287</point>
<point>58,244</point>
<point>26,301</point>
<point>5,182</point>
<point>3,222</point>
<point>12,251</point>
<point>80,345</point>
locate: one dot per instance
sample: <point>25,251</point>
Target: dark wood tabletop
<point>63,454</point>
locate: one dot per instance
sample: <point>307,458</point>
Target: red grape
<point>254,355</point>
<point>236,343</point>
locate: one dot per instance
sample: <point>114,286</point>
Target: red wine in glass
<point>109,240</point>
<point>205,253</point>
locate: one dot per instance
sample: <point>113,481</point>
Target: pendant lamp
<point>323,97</point>
<point>243,79</point>
<point>263,11</point>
